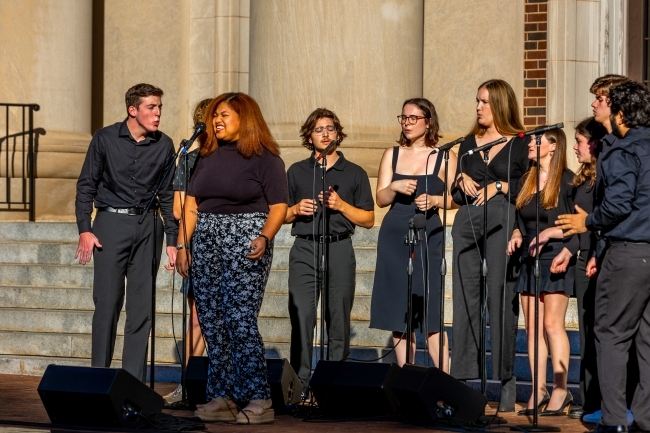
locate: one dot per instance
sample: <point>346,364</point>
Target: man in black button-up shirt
<point>622,305</point>
<point>349,204</point>
<point>124,163</point>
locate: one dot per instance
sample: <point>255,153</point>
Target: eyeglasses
<point>320,129</point>
<point>409,120</point>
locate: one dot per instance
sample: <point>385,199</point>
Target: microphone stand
<point>535,427</point>
<point>411,239</point>
<point>154,262</point>
<point>443,264</point>
<point>484,273</point>
<point>324,259</point>
<point>185,292</point>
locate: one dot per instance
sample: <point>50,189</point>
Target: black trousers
<point>466,272</point>
<point>303,301</point>
<point>126,254</point>
<point>585,290</point>
<point>622,317</point>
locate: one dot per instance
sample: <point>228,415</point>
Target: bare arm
<point>185,232</point>
<point>386,188</point>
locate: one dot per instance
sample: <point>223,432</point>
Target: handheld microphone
<point>487,146</point>
<point>446,147</point>
<point>199,129</point>
<point>327,150</point>
<point>541,130</point>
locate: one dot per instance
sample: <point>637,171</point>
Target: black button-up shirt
<point>348,180</point>
<point>624,179</point>
<point>122,173</point>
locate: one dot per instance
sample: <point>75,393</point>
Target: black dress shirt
<point>348,180</point>
<point>583,196</point>
<point>512,159</point>
<point>624,179</point>
<point>122,173</point>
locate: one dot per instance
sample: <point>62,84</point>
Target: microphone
<point>446,147</point>
<point>199,129</point>
<point>327,150</point>
<point>418,222</point>
<point>541,130</point>
<point>487,146</point>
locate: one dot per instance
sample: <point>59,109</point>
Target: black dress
<point>526,216</point>
<point>389,295</point>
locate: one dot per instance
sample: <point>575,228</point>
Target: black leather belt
<point>612,241</point>
<point>326,239</point>
<point>125,210</point>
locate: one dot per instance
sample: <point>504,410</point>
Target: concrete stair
<point>46,307</point>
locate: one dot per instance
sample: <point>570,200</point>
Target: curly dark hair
<point>432,136</point>
<point>633,100</point>
<point>308,127</point>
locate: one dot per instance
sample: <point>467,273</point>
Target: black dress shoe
<point>566,404</point>
<point>576,413</point>
<point>540,405</point>
<point>508,395</point>
<point>610,429</point>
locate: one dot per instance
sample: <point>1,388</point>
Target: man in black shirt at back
<point>124,163</point>
<point>349,203</point>
<point>622,304</point>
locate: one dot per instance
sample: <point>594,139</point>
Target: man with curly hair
<point>348,202</point>
<point>622,305</point>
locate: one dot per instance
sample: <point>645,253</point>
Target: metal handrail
<point>25,129</point>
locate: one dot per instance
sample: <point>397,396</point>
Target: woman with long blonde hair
<point>555,198</point>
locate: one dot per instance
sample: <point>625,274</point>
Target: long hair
<point>308,127</point>
<point>505,109</point>
<point>551,192</point>
<point>431,136</point>
<point>254,134</point>
<point>591,130</point>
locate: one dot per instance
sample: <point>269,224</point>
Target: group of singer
<point>528,231</point>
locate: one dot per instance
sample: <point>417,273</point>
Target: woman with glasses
<point>497,116</point>
<point>348,201</point>
<point>411,183</point>
<point>235,204</point>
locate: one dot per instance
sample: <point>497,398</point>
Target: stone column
<point>46,58</point>
<point>218,49</point>
<point>361,59</point>
<point>573,62</point>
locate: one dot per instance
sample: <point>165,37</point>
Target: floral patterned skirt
<point>228,291</point>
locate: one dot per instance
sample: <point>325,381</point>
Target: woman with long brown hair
<point>235,205</point>
<point>555,198</point>
<point>497,116</point>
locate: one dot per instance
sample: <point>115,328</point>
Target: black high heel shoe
<point>540,405</point>
<point>566,404</point>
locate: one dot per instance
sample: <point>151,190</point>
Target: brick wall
<point>535,41</point>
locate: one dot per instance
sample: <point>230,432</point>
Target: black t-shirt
<point>498,167</point>
<point>583,196</point>
<point>349,181</point>
<point>224,182</point>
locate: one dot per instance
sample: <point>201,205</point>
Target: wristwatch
<point>180,246</point>
<point>499,187</point>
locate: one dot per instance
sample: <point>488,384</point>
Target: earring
<point>551,154</point>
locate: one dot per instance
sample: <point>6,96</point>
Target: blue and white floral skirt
<point>228,291</point>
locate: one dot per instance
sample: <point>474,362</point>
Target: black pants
<point>467,289</point>
<point>622,318</point>
<point>585,290</point>
<point>303,300</point>
<point>126,253</point>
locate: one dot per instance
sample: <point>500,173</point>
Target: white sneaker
<point>176,395</point>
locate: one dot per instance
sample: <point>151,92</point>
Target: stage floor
<point>21,411</point>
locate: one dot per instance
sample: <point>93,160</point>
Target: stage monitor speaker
<point>285,385</point>
<point>196,380</point>
<point>431,395</point>
<point>86,396</point>
<point>354,389</point>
